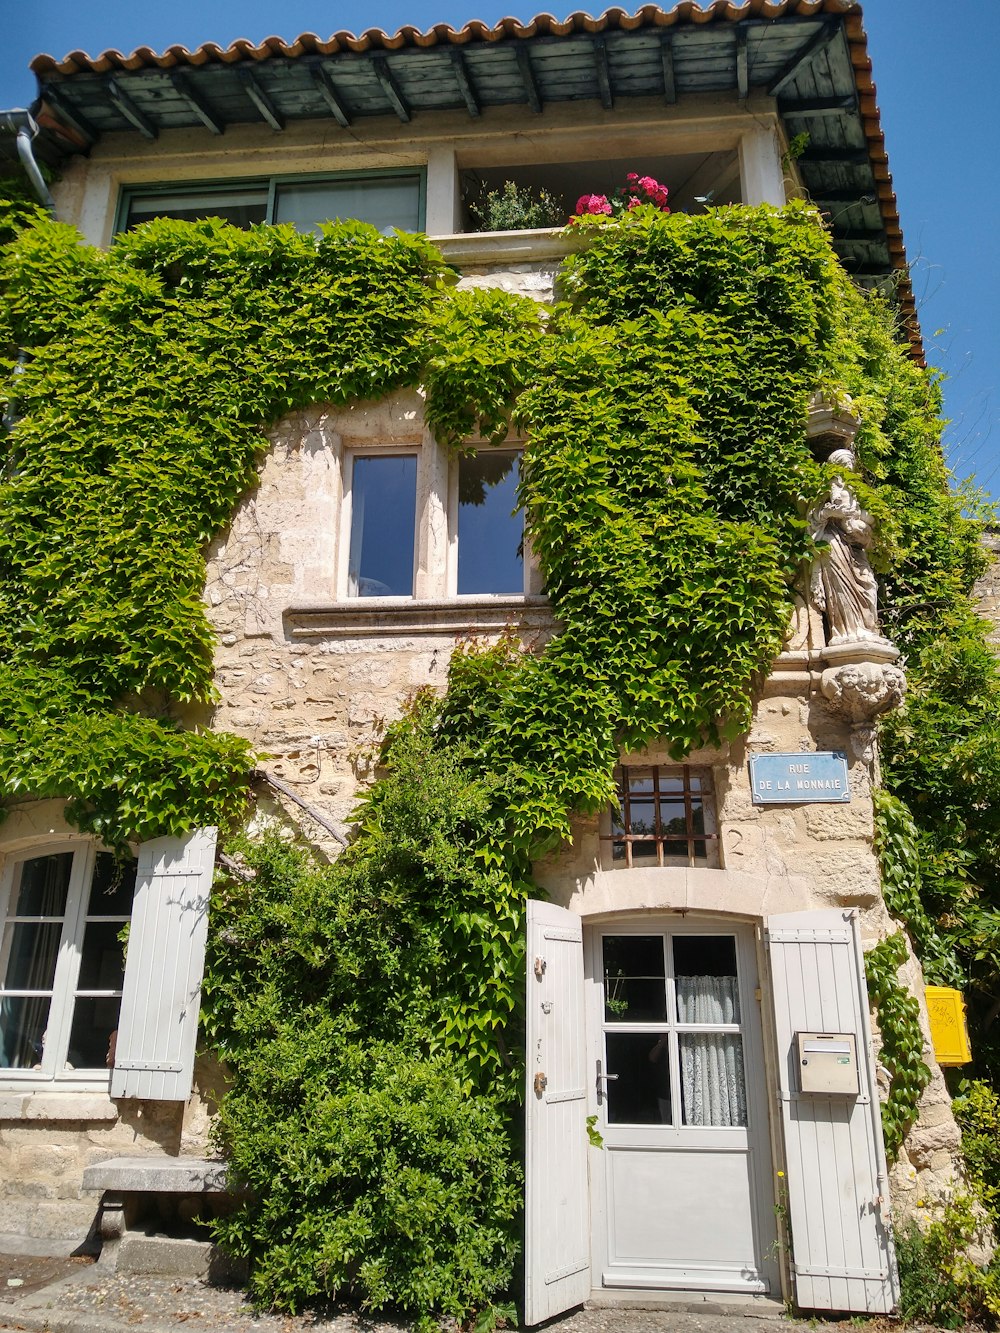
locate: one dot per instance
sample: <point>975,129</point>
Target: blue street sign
<point>794,779</point>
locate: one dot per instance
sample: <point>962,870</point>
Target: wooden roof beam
<point>802,57</point>
<point>464,82</point>
<point>391,88</point>
<point>326,88</point>
<point>76,120</point>
<point>130,111</point>
<point>667,61</point>
<point>528,79</point>
<point>260,99</point>
<point>208,116</point>
<point>600,49</point>
<point>742,62</point>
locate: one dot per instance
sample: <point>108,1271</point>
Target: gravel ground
<point>76,1298</point>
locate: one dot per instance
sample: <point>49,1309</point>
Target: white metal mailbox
<point>828,1063</point>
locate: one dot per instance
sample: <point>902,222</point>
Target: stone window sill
<point>71,1104</point>
<point>406,616</point>
<point>478,249</point>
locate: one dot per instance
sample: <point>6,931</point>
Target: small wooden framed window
<point>665,817</point>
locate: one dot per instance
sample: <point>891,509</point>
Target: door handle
<point>602,1079</point>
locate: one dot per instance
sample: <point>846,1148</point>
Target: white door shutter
<point>557,1212</point>
<point>158,1026</point>
<point>835,1159</point>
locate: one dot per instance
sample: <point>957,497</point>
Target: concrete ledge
<point>482,248</point>
<point>157,1175</point>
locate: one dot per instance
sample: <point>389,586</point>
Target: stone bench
<point>126,1182</point>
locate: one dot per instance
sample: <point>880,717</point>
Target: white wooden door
<point>835,1159</point>
<point>557,1215</point>
<point>682,1193</point>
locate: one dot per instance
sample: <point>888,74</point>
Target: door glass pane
<point>706,982</point>
<point>713,1086</point>
<point>383,509</point>
<point>43,887</point>
<point>490,532</point>
<point>241,207</point>
<point>31,960</point>
<point>386,202</point>
<point>638,1087</point>
<point>634,985</point>
<point>112,888</point>
<point>23,1021</point>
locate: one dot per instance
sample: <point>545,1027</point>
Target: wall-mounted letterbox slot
<point>828,1063</point>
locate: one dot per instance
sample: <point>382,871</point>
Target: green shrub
<point>939,1284</point>
<point>518,208</point>
<point>977,1110</point>
<point>385,1176</point>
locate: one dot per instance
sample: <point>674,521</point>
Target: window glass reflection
<point>383,511</point>
<point>385,203</point>
<point>490,527</point>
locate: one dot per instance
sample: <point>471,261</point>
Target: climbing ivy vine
<point>369,1011</point>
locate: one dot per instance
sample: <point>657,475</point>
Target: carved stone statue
<point>844,587</point>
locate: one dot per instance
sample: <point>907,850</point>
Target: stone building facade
<point>309,672</point>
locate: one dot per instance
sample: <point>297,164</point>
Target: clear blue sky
<point>934,64</point>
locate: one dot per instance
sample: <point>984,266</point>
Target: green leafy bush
<point>977,1110</point>
<point>517,208</point>
<point>939,1283</point>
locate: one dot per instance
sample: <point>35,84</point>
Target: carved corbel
<point>831,424</point>
<point>859,693</point>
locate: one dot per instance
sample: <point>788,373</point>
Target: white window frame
<point>532,579</point>
<point>52,1071</point>
<point>345,592</point>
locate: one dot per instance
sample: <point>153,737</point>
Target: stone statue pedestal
<point>862,682</point>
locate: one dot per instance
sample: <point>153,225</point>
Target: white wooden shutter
<point>158,1026</point>
<point>835,1176</point>
<point>557,1211</point>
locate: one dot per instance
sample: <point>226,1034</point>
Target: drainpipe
<point>26,133</point>
<point>27,129</point>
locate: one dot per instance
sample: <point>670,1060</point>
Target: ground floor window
<point>665,816</point>
<point>61,960</point>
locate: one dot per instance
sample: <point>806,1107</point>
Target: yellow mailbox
<point>946,1011</point>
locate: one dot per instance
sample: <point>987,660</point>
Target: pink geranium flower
<point>637,192</point>
<point>593,203</point>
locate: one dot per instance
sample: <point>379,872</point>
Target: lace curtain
<point>713,1085</point>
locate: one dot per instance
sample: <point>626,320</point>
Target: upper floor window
<point>665,817</point>
<point>61,961</point>
<point>490,524</point>
<point>385,199</point>
<point>383,502</point>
